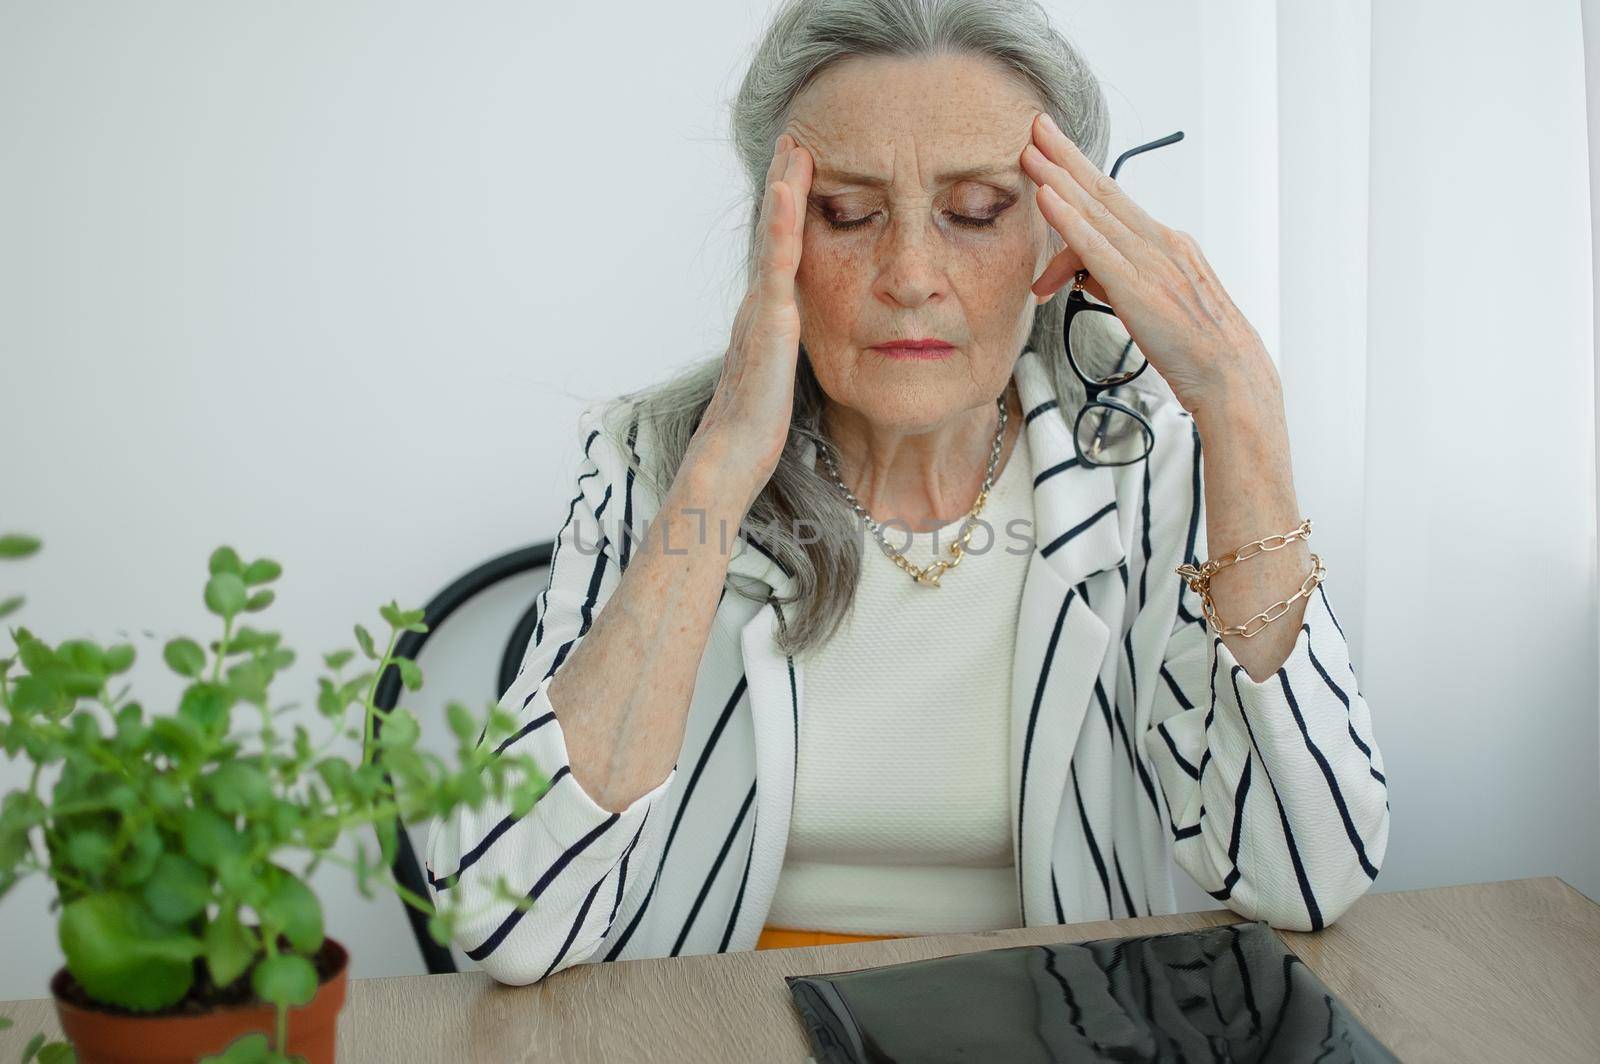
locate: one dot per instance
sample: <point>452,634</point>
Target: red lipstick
<point>925,348</point>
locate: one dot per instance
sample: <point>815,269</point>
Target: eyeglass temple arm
<point>1170,138</point>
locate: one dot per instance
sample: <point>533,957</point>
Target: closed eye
<point>963,220</point>
<point>973,223</point>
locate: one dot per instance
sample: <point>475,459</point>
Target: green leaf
<point>368,780</point>
<point>442,927</point>
<point>354,689</point>
<point>85,730</point>
<point>293,909</point>
<point>259,601</point>
<point>225,560</point>
<point>391,614</point>
<point>121,955</point>
<point>248,681</point>
<point>178,738</point>
<point>364,871</point>
<point>208,838</point>
<point>286,979</point>
<point>11,605</point>
<point>205,705</point>
<point>470,788</point>
<point>282,817</point>
<point>410,673</point>
<point>225,594</point>
<point>462,726</point>
<point>185,657</point>
<point>239,877</point>
<point>20,812</point>
<point>89,851</point>
<point>388,839</point>
<point>250,1049</point>
<point>338,659</point>
<point>246,639</point>
<point>178,890</point>
<point>44,695</point>
<point>501,723</point>
<point>321,833</point>
<point>82,656</point>
<point>57,1053</point>
<point>239,787</point>
<point>408,771</point>
<point>527,791</point>
<point>139,860</point>
<point>329,704</point>
<point>364,638</point>
<point>31,1050</point>
<point>5,1023</point>
<point>335,772</point>
<point>229,947</point>
<point>35,654</point>
<point>17,545</point>
<point>119,658</point>
<point>165,793</point>
<point>302,745</point>
<point>401,728</point>
<point>262,571</point>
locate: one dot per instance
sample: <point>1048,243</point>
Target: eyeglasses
<point>1107,432</point>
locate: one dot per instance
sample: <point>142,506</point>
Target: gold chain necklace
<point>929,574</point>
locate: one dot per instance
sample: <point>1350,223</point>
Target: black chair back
<point>407,868</point>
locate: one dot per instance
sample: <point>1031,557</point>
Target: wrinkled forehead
<point>904,120</point>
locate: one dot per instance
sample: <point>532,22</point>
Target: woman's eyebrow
<point>967,173</point>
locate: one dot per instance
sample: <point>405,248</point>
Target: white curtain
<point>1436,291</point>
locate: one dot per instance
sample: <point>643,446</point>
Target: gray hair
<point>800,517</point>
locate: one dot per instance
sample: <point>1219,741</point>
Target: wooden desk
<point>1488,971</point>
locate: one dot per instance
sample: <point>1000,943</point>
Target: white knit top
<point>900,822</point>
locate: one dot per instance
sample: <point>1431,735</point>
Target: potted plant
<point>181,843</point>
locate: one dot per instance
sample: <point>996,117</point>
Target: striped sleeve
<point>569,856</point>
<point>1276,790</point>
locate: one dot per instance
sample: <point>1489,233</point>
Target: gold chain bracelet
<point>1199,578</point>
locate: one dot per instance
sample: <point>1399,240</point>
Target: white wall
<point>330,282</point>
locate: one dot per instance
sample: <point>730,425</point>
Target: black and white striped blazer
<point>1137,738</point>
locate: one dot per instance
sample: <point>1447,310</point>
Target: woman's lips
<point>922,349</point>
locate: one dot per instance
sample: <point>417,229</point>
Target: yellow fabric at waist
<point>787,937</point>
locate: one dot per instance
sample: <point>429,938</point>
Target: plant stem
<point>222,648</point>
<point>368,709</point>
<point>412,899</point>
<point>269,943</point>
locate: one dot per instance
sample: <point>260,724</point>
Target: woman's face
<point>921,223</point>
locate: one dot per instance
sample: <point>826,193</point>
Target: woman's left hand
<point>1154,277</point>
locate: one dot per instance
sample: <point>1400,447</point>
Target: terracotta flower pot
<point>119,1038</point>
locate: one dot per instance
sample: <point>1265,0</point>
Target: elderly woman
<point>867,739</point>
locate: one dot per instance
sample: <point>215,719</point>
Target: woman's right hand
<point>746,424</point>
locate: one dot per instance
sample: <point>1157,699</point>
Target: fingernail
<point>1050,123</point>
<point>785,142</point>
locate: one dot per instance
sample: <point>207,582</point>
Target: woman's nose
<point>911,265</point>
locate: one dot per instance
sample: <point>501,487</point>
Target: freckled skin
<point>916,435</point>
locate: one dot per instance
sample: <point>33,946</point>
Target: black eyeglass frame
<point>1078,303</point>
